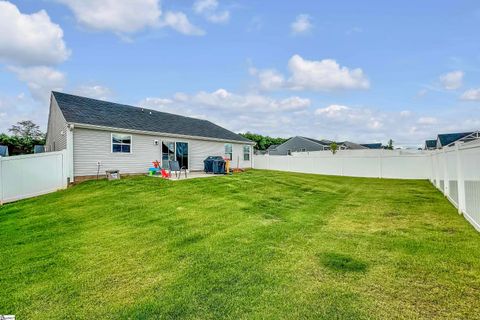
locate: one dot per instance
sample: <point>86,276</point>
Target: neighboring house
<point>430,145</point>
<point>3,151</point>
<point>372,145</point>
<point>272,147</point>
<point>449,139</point>
<point>38,148</point>
<point>100,135</point>
<point>304,144</point>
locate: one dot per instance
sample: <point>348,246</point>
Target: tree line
<point>24,135</point>
<point>263,142</point>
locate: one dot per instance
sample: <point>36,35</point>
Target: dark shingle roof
<point>352,145</point>
<point>372,145</point>
<point>447,138</point>
<point>83,110</point>
<point>431,143</point>
<point>272,147</point>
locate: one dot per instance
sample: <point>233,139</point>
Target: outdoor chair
<point>174,166</point>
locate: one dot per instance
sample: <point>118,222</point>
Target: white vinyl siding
<point>57,129</point>
<point>91,146</point>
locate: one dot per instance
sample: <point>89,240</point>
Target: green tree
<point>262,142</point>
<point>334,147</point>
<point>389,145</point>
<point>26,134</point>
<point>26,129</point>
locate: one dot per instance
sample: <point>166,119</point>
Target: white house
<point>100,135</point>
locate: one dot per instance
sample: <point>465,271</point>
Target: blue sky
<point>365,71</point>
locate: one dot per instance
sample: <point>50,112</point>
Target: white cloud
<point>121,16</point>
<point>452,80</point>
<point>269,79</point>
<point>301,25</point>
<point>209,9</point>
<point>30,39</point>
<point>225,101</point>
<point>40,80</point>
<point>21,107</point>
<point>324,75</point>
<point>353,30</point>
<point>427,120</point>
<point>94,91</point>
<point>471,95</point>
<point>179,22</point>
<point>202,6</point>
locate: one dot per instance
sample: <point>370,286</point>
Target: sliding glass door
<point>168,153</point>
<point>182,154</point>
<point>174,151</point>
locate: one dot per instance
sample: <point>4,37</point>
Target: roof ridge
<point>128,105</point>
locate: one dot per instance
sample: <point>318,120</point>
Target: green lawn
<point>255,245</point>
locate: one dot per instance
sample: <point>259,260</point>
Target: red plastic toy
<point>165,175</point>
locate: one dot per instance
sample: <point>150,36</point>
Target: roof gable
<point>447,138</point>
<point>89,111</point>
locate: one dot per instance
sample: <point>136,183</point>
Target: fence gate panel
<point>31,175</point>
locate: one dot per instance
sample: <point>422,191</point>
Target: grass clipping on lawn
<point>259,244</point>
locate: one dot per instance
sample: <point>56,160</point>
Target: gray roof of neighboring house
<point>447,138</point>
<point>348,144</point>
<point>351,145</point>
<point>272,147</point>
<point>322,142</point>
<point>372,145</point>
<point>3,151</point>
<point>89,111</point>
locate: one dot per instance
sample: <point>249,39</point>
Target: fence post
<point>437,168</point>
<point>446,182</point>
<point>70,153</point>
<point>460,180</point>
<point>381,163</point>
<point>1,181</point>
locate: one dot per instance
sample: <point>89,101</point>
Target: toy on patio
<point>156,168</point>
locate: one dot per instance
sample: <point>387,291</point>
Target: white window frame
<point>111,143</point>
<point>303,150</point>
<point>249,149</point>
<point>228,153</point>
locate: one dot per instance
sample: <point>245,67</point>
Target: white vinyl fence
<point>32,175</point>
<point>455,171</point>
<point>399,164</point>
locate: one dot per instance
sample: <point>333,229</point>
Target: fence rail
<point>455,171</point>
<point>32,175</point>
